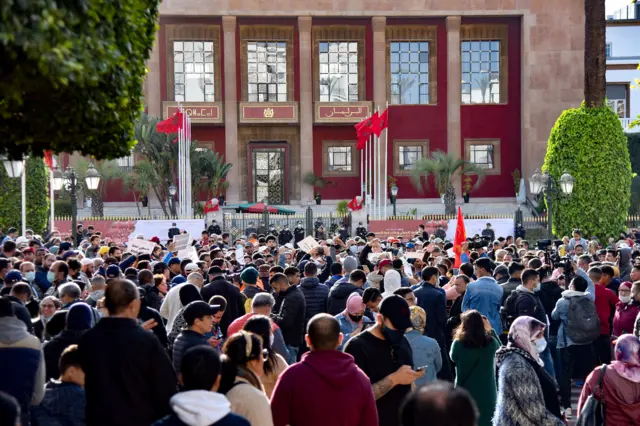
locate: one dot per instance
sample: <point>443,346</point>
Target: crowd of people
<point>351,331</point>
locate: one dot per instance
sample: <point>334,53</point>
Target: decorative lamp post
<point>172,200</point>
<point>545,183</point>
<point>394,195</point>
<point>14,169</point>
<point>92,178</point>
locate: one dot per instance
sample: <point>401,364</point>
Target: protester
<point>605,303</point>
<point>157,292</point>
<point>484,294</point>
<point>473,351</point>
<point>342,289</point>
<point>219,286</point>
<point>315,295</point>
<point>426,351</point>
<point>439,403</point>
<point>291,315</point>
<point>352,320</point>
<point>129,377</point>
<point>242,366</point>
<point>188,293</point>
<point>79,319</point>
<point>324,377</point>
<point>198,317</point>
<point>48,307</point>
<point>526,392</point>
<point>627,309</point>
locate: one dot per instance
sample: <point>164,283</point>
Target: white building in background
<point>623,58</point>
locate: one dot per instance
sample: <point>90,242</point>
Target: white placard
<point>414,255</point>
<point>240,254</point>
<point>160,228</point>
<point>407,269</point>
<point>501,227</point>
<point>182,241</point>
<point>307,244</point>
<point>189,253</point>
<point>138,246</point>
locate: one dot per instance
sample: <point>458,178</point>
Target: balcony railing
<point>626,123</point>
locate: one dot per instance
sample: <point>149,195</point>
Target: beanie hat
<point>249,276</point>
<point>350,264</point>
<point>79,317</point>
<point>103,250</point>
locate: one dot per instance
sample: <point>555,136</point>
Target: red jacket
<point>606,301</point>
<point>621,396</point>
<point>625,318</point>
<point>326,388</point>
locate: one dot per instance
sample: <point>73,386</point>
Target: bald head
<point>122,298</point>
<point>323,333</point>
<point>441,403</point>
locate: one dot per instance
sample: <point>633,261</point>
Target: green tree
<point>589,144</point>
<point>109,170</point>
<point>71,74</point>
<point>443,168</point>
<point>37,197</point>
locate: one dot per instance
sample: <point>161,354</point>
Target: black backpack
<point>509,312</point>
<point>583,324</point>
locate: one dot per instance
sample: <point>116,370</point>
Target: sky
<point>613,5</point>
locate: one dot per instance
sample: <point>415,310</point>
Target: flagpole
<point>51,198</point>
<point>386,160</point>
<point>368,175</point>
<point>379,167</point>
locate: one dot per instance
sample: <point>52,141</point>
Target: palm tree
<point>109,170</point>
<point>209,172</point>
<point>444,168</point>
<point>139,181</point>
<point>595,58</point>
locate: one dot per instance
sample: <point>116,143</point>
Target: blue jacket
<point>347,327</point>
<point>185,341</point>
<point>485,296</point>
<point>562,308</point>
<point>433,300</point>
<point>315,295</point>
<point>426,353</point>
<point>63,405</point>
<point>20,349</point>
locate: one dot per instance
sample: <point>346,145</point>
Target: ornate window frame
<point>355,158</point>
<point>397,143</point>
<point>495,142</point>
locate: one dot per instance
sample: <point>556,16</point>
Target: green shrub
<point>589,143</point>
<point>62,207</point>
<point>37,199</point>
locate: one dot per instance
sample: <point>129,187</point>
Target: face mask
<point>30,276</point>
<point>540,344</point>
<point>355,318</point>
<point>394,337</point>
<point>51,277</point>
<point>625,299</point>
<point>353,249</point>
<point>537,287</point>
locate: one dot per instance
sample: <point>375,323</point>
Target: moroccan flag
<point>48,159</point>
<point>171,124</point>
<point>354,205</point>
<point>381,123</point>
<point>459,238</point>
<point>212,206</point>
<point>364,130</point>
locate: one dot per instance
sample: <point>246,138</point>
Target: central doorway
<point>269,172</point>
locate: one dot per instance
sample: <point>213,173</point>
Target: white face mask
<point>625,299</point>
<point>540,344</point>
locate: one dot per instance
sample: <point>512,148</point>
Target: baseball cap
<point>174,260</point>
<point>411,245</point>
<point>383,263</point>
<point>113,271</point>
<point>12,277</point>
<point>396,309</point>
<point>198,309</point>
<point>438,241</point>
<point>190,267</point>
<point>69,254</point>
<point>28,250</point>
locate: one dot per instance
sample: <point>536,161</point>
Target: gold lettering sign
<point>199,112</point>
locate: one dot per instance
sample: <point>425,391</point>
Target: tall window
<point>480,71</point>
<point>409,72</point>
<point>609,49</point>
<point>339,159</point>
<point>338,64</point>
<point>408,156</point>
<point>481,156</point>
<point>267,71</point>
<point>617,99</point>
<point>193,71</point>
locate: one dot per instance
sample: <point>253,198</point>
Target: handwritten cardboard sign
<point>307,244</point>
<point>182,241</point>
<point>137,246</point>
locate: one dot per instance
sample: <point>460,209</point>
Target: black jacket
<point>508,287</point>
<point>338,296</point>
<point>315,296</point>
<point>185,341</point>
<point>219,286</point>
<point>129,377</point>
<point>53,349</point>
<point>433,301</point>
<point>285,237</point>
<point>526,303</point>
<point>146,313</point>
<point>291,316</point>
<point>550,292</point>
<point>21,312</point>
<point>153,298</point>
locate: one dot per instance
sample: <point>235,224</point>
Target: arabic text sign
<point>138,246</point>
<point>404,228</point>
<point>352,112</point>
<point>307,244</point>
<point>182,241</point>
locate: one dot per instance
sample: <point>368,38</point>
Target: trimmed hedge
<point>589,143</point>
<point>37,197</point>
<point>634,153</point>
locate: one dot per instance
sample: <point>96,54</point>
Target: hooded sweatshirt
<point>338,296</point>
<point>324,379</point>
<point>201,408</point>
<point>625,264</point>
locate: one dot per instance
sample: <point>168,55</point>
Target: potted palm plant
<point>444,168</point>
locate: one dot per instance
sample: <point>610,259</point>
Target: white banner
<point>189,253</point>
<point>501,227</point>
<point>182,241</point>
<point>138,246</point>
<point>160,228</point>
<point>307,244</point>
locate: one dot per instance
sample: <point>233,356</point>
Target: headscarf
<point>522,333</point>
<point>627,363</point>
<point>418,318</point>
<point>391,282</point>
<point>355,304</point>
<point>79,317</point>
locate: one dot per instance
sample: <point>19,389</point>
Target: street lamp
<point>14,169</point>
<point>172,194</point>
<point>58,179</point>
<point>92,178</point>
<point>545,183</point>
<point>394,195</point>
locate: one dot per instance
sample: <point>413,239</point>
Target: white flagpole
<point>386,163</point>
<point>361,174</point>
<point>24,197</point>
<point>51,199</point>
<point>367,192</point>
<point>375,176</point>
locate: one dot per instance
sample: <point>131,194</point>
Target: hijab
<point>627,363</point>
<point>392,282</point>
<point>418,318</point>
<point>522,334</point>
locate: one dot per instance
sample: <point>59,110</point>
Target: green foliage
<point>62,207</point>
<point>515,174</point>
<point>342,208</point>
<point>589,144</point>
<point>71,74</point>
<point>316,181</point>
<point>37,197</point>
<point>634,154</point>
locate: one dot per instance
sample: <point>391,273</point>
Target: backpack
<point>593,411</point>
<point>583,324</point>
<point>509,311</point>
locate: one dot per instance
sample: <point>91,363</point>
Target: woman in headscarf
<point>527,394</point>
<point>392,282</point>
<point>426,351</point>
<point>627,309</point>
<point>620,386</point>
<point>352,320</point>
<point>188,293</point>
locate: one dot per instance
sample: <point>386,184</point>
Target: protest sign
<point>182,241</point>
<point>240,254</point>
<point>138,246</point>
<point>414,255</point>
<point>307,244</point>
<point>189,253</point>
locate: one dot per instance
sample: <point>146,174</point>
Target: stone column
<point>306,105</point>
<point>231,109</point>
<point>378,24</point>
<point>454,90</point>
<point>153,81</point>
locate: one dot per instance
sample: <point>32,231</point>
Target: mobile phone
<point>421,369</point>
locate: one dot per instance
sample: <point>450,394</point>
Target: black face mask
<point>394,337</point>
<point>355,318</point>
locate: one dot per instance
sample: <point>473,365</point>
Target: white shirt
<point>171,305</point>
